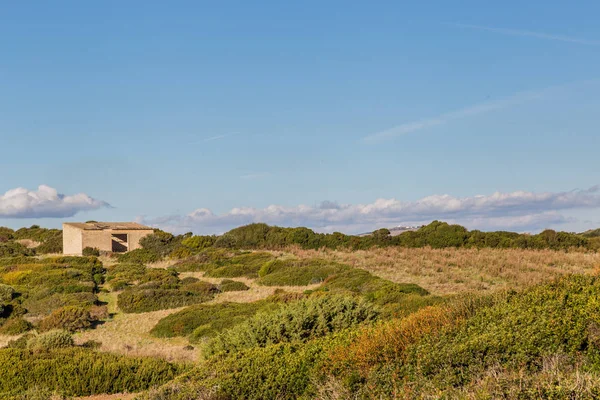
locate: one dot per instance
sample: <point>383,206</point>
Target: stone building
<point>116,237</point>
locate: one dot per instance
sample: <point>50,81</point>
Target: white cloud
<point>519,210</point>
<point>538,35</point>
<point>45,202</point>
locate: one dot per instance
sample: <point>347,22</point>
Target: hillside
<point>267,312</point>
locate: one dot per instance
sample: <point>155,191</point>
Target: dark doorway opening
<point>119,243</point>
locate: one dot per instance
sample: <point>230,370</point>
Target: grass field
<point>453,271</point>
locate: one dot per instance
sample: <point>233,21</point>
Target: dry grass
<point>255,293</point>
<point>451,271</point>
<point>30,244</point>
<point>129,334</point>
<point>118,396</point>
<point>4,339</point>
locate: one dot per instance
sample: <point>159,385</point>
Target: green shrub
<point>52,245</point>
<point>55,339</point>
<point>6,293</point>
<point>206,320</point>
<point>201,287</point>
<point>189,279</point>
<point>227,285</point>
<point>144,300</point>
<point>298,272</point>
<point>282,371</point>
<point>44,305</point>
<point>302,320</point>
<point>243,265</point>
<point>91,251</point>
<point>140,256</point>
<point>80,372</point>
<point>198,243</point>
<point>69,318</point>
<point>14,249</point>
<point>15,326</point>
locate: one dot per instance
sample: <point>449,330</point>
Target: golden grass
<point>118,396</point>
<point>4,339</point>
<point>129,334</point>
<point>255,293</point>
<point>451,271</point>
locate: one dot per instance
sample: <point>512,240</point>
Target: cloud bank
<point>45,202</point>
<point>518,210</point>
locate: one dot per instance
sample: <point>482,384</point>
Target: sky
<point>340,116</point>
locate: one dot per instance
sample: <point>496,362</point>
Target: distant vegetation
<point>288,313</point>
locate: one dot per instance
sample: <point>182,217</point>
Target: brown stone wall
<point>72,240</point>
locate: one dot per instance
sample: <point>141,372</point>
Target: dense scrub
<point>473,347</point>
<point>205,321</point>
<point>298,321</point>
<point>79,372</point>
<point>151,289</point>
<point>40,287</point>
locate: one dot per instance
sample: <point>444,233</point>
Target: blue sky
<point>201,115</point>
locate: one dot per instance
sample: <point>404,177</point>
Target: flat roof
<point>114,226</point>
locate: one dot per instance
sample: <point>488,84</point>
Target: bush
<point>80,372</point>
<point>243,265</point>
<point>299,321</point>
<point>298,272</point>
<point>6,293</point>
<point>204,321</point>
<point>139,256</point>
<point>15,326</point>
<point>144,300</point>
<point>55,339</point>
<point>91,251</point>
<point>227,285</point>
<point>70,318</point>
<point>282,371</point>
<point>53,245</point>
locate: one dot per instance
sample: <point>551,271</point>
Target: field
<point>186,318</point>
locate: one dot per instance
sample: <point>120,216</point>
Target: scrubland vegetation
<point>265,312</point>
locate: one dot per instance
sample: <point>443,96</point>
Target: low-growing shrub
<point>91,251</point>
<point>243,265</point>
<point>298,321</point>
<point>51,340</point>
<point>141,256</point>
<point>298,272</point>
<point>6,293</point>
<point>80,372</point>
<point>138,301</point>
<point>206,320</point>
<point>227,285</point>
<point>189,279</point>
<point>282,371</point>
<point>69,318</point>
<point>201,287</point>
<point>15,326</point>
<point>45,305</point>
